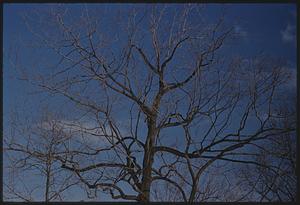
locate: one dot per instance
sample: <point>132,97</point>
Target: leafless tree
<point>31,149</point>
<point>166,101</point>
<point>280,183</point>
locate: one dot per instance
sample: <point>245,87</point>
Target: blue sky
<point>268,28</point>
<point>265,27</point>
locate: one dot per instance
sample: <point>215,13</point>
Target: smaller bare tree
<point>32,148</point>
<point>279,152</point>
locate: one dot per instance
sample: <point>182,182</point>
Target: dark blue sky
<point>268,28</point>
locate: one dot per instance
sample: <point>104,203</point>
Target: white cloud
<point>240,31</point>
<point>93,134</point>
<point>288,35</point>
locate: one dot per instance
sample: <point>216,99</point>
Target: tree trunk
<point>48,170</point>
<point>193,192</point>
<point>148,162</point>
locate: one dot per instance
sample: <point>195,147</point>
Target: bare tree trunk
<point>148,161</point>
<point>47,184</point>
<point>194,191</point>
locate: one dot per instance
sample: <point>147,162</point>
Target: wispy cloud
<point>288,35</point>
<point>89,131</point>
<point>240,31</point>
